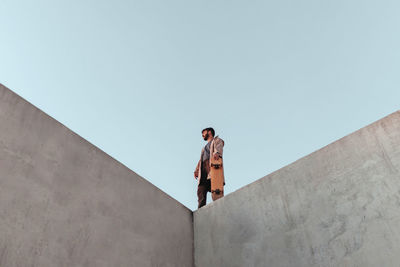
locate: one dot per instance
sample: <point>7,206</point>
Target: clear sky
<point>141,79</point>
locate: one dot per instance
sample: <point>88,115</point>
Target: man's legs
<point>202,195</point>
<point>203,188</point>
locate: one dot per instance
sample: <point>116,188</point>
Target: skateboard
<point>217,178</point>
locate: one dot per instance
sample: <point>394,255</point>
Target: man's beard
<point>206,137</point>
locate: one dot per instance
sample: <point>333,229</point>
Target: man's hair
<point>209,129</point>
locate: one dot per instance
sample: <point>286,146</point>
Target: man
<point>213,148</point>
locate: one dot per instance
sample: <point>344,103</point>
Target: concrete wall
<point>339,206</point>
<point>63,202</point>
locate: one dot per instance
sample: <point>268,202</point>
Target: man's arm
<point>218,148</point>
<point>196,171</point>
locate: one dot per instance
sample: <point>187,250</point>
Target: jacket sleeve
<point>219,146</point>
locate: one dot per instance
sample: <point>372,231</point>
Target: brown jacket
<point>217,145</point>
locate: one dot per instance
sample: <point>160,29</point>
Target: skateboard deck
<point>217,178</point>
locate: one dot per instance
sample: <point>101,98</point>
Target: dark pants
<point>204,185</point>
<point>202,190</point>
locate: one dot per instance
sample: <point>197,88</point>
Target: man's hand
<point>216,156</point>
<point>196,174</point>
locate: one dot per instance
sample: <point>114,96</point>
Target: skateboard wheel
<point>216,166</point>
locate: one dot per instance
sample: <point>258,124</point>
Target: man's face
<point>205,135</point>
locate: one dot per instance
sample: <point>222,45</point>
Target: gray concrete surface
<point>63,202</point>
<point>339,206</point>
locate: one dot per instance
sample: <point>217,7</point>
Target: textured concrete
<point>63,202</point>
<point>339,206</point>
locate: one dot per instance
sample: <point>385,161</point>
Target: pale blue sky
<point>140,79</point>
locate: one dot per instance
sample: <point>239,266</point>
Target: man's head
<point>207,133</point>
